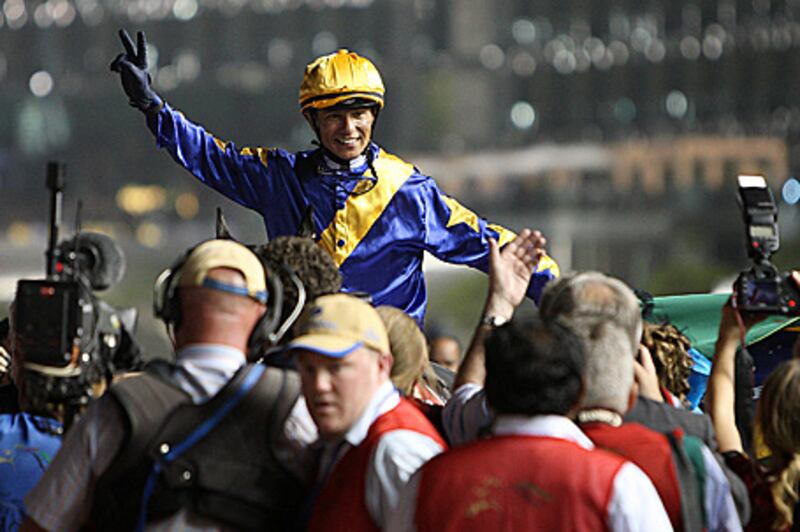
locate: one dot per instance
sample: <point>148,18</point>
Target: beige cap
<point>225,254</point>
<point>334,325</point>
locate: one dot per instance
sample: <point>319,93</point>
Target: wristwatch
<point>493,321</point>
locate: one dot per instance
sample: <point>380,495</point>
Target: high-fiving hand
<point>132,67</point>
<point>510,271</point>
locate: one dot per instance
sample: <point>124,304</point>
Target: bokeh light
<point>15,14</point>
<point>137,200</point>
<point>324,42</point>
<point>523,31</point>
<point>523,115</point>
<point>19,234</point>
<point>149,235</point>
<point>187,205</point>
<point>791,191</point>
<point>41,84</point>
<point>492,56</point>
<point>677,104</point>
<point>185,9</point>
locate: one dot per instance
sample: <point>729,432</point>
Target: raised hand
<point>132,68</point>
<point>644,373</point>
<point>510,271</point>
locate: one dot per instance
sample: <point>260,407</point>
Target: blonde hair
<point>670,350</point>
<point>408,346</point>
<point>779,417</point>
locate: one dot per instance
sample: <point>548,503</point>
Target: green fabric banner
<point>698,315</point>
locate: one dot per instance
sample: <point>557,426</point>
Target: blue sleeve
<point>455,234</point>
<point>246,176</point>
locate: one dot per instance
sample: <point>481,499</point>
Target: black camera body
<point>51,318</point>
<point>60,324</point>
<point>67,338</point>
<point>762,288</point>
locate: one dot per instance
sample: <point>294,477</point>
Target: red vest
<point>517,483</point>
<point>342,504</point>
<point>648,449</point>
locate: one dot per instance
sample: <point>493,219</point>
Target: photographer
<point>772,483</point>
<point>49,318</point>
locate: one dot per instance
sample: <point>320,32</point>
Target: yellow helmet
<point>337,77</point>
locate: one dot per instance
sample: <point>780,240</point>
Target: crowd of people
<point>303,394</point>
<point>565,421</point>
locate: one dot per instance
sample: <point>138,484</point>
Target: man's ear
<point>311,117</point>
<point>385,362</point>
<point>634,393</point>
<point>579,400</point>
<point>262,309</point>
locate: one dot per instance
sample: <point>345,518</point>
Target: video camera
<point>68,338</point>
<point>762,288</point>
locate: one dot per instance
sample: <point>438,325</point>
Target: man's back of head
<point>605,314</point>
<point>534,369</point>
<point>217,294</point>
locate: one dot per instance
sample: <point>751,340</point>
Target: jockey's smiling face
<point>345,132</point>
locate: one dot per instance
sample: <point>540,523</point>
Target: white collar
<point>386,398</point>
<point>221,356</point>
<point>201,370</point>
<point>552,426</point>
<point>351,165</point>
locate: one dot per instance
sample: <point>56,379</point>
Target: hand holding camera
<point>762,288</point>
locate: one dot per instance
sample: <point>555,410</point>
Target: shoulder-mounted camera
<point>67,338</point>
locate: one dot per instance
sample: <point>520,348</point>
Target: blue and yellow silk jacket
<point>376,229</point>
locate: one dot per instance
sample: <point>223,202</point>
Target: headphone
<point>275,337</point>
<point>167,305</point>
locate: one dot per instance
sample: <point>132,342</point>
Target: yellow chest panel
<point>351,223</point>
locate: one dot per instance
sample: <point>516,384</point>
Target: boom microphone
<point>95,255</point>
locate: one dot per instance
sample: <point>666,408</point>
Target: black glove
<point>132,68</point>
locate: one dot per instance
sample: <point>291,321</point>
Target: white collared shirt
<point>552,426</point>
<point>201,370</point>
<point>352,165</point>
<point>467,414</point>
<point>398,455</point>
<point>634,505</point>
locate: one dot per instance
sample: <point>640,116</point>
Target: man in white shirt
<point>372,439</point>
<point>604,313</point>
<point>537,471</point>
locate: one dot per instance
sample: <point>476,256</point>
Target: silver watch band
<point>493,321</point>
